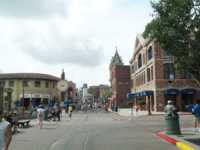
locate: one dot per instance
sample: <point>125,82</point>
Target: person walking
<point>70,109</point>
<point>58,111</point>
<point>196,113</point>
<point>5,133</point>
<point>40,116</point>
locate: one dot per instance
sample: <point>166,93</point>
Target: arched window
<point>139,61</point>
<point>149,53</point>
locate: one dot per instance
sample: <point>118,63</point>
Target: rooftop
<point>5,76</point>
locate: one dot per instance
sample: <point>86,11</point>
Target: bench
<point>23,123</point>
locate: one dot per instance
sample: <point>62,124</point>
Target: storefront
<point>142,99</point>
<point>187,97</point>
<point>171,94</point>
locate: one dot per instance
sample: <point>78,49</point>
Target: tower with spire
<point>116,59</point>
<point>63,75</point>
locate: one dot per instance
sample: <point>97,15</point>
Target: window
<point>143,77</point>
<point>11,83</point>
<point>186,75</point>
<point>47,84</point>
<point>54,84</point>
<point>148,74</point>
<point>139,61</point>
<point>143,59</point>
<point>149,53</point>
<point>2,83</point>
<point>25,83</point>
<point>151,72</point>
<point>37,84</point>
<point>169,71</point>
<point>166,53</point>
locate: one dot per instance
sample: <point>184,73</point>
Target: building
<point>154,79</point>
<point>71,93</point>
<point>86,96</point>
<point>27,89</point>
<point>120,82</point>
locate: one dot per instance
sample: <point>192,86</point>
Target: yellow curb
<point>183,146</point>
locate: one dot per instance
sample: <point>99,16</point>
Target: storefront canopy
<point>131,96</point>
<point>189,91</point>
<point>171,91</point>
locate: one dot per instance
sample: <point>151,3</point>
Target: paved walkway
<point>94,131</point>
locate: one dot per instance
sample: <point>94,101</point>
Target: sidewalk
<point>128,113</point>
<point>188,140</point>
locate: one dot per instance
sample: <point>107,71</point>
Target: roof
<point>140,42</point>
<point>116,60</point>
<point>4,76</point>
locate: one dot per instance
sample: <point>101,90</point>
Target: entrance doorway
<point>187,99</point>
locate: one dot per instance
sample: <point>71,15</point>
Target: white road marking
<point>86,142</point>
<point>54,144</point>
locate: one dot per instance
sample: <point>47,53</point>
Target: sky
<point>79,36</point>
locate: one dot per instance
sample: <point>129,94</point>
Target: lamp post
<point>1,97</point>
<point>23,98</point>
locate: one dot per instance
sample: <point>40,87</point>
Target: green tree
<point>176,26</point>
<point>105,94</point>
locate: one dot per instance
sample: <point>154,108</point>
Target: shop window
<point>149,53</point>
<point>169,71</point>
<point>139,61</point>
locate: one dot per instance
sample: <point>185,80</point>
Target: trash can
<point>172,125</point>
<point>171,119</point>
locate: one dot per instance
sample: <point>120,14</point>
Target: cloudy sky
<point>80,36</point>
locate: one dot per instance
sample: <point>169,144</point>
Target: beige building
<point>28,89</point>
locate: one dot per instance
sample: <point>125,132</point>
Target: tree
<point>176,26</point>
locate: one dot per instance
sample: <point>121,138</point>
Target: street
<point>94,131</point>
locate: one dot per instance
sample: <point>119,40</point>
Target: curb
<point>178,144</point>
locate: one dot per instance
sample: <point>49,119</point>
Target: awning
<point>131,96</point>
<point>171,92</point>
<point>189,91</point>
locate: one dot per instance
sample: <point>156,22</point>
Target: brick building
<point>154,79</point>
<point>120,82</point>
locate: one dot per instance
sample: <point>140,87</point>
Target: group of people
<point>49,114</point>
<point>52,113</point>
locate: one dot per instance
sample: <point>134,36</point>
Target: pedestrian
<point>5,133</point>
<point>40,116</point>
<point>57,111</point>
<point>196,113</point>
<point>70,109</point>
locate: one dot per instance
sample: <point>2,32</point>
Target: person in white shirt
<point>40,116</point>
<point>5,133</point>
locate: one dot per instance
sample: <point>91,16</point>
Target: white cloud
<point>69,34</point>
<point>32,8</point>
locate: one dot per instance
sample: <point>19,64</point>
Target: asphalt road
<point>94,131</point>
